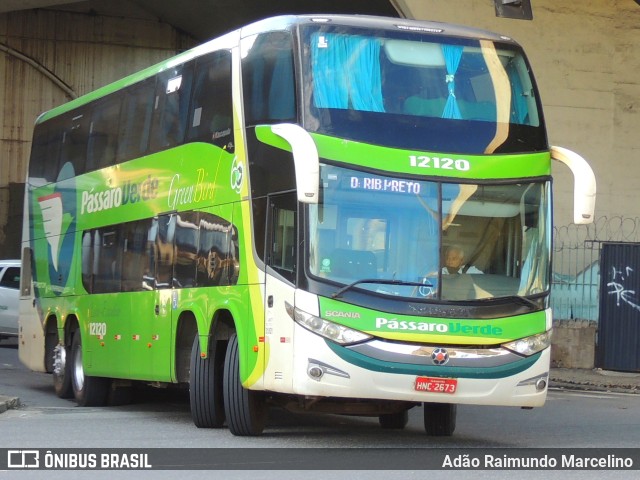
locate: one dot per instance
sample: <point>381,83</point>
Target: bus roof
<point>282,22</point>
<point>374,22</point>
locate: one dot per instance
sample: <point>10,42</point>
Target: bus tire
<point>394,421</point>
<point>88,391</point>
<point>245,409</point>
<point>439,419</point>
<point>50,343</point>
<point>62,371</point>
<point>206,385</point>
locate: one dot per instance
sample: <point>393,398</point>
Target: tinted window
<point>107,259</point>
<point>211,114</point>
<point>165,251</point>
<point>135,255</point>
<point>45,151</point>
<point>259,213</point>
<point>217,251</point>
<point>171,107</point>
<point>74,141</point>
<point>267,78</point>
<point>175,250</point>
<point>135,120</point>
<point>11,278</point>
<point>103,133</point>
<point>410,90</point>
<point>282,244</point>
<point>186,240</point>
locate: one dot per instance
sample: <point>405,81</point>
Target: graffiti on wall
<point>618,286</point>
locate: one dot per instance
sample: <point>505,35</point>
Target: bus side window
<point>171,105</point>
<point>74,142</point>
<point>134,254</point>
<point>187,237</point>
<point>135,120</point>
<point>217,260</point>
<point>43,164</point>
<point>211,112</point>
<point>165,250</point>
<point>268,79</point>
<point>282,234</point>
<point>87,260</point>
<point>149,270</point>
<point>107,260</point>
<point>103,133</point>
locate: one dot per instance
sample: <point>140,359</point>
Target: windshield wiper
<point>381,281</point>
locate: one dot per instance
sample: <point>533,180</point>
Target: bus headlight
<point>332,331</point>
<point>530,345</point>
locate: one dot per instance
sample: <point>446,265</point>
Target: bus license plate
<point>436,385</point>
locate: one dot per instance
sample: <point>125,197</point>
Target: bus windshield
<point>430,240</point>
<point>420,91</point>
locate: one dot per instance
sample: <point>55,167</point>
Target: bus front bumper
<point>395,371</point>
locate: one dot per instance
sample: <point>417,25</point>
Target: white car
<point>9,294</point>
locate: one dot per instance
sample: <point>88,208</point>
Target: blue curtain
<point>519,109</point>
<point>365,80</point>
<point>346,72</point>
<point>452,55</point>
<point>330,86</point>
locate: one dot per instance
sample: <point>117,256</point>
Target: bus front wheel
<point>206,385</point>
<point>245,409</point>
<point>88,391</point>
<point>439,419</point>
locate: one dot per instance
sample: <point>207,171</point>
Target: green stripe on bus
<point>476,167</point>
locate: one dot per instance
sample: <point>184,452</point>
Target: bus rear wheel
<point>440,419</point>
<point>88,391</point>
<point>206,385</point>
<point>245,409</point>
<point>62,371</point>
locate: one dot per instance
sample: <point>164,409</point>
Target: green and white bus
<point>338,214</point>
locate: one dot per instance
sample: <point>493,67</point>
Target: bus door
<point>281,261</point>
<point>151,323</point>
<point>106,348</point>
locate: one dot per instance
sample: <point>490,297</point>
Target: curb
<point>7,403</point>
<point>565,385</point>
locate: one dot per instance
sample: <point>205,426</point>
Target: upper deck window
<point>414,90</point>
<point>268,78</point>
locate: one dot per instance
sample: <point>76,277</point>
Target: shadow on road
<point>9,343</point>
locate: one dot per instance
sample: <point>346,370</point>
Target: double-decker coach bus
<point>329,213</point>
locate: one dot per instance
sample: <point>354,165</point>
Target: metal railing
<point>575,282</point>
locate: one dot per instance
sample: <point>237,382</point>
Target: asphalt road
<point>161,419</point>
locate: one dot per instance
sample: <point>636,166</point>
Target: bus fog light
<point>541,384</point>
<point>315,372</point>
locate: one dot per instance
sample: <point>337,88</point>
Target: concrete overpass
<point>204,19</point>
<point>584,55</point>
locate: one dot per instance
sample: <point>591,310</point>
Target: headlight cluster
<point>530,345</point>
<point>332,331</point>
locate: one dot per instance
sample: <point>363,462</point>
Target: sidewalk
<point>595,380</point>
<point>563,378</point>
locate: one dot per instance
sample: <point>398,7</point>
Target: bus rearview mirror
<point>305,159</point>
<point>584,189</point>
